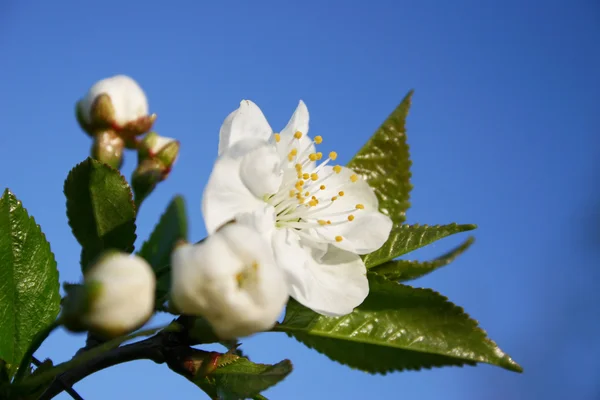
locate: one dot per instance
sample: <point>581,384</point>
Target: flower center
<point>305,193</point>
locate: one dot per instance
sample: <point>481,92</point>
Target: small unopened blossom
<point>156,157</point>
<point>116,103</point>
<point>231,280</point>
<point>164,148</point>
<point>318,217</point>
<point>123,294</point>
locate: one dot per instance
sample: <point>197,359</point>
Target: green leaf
<point>406,238</point>
<point>396,328</point>
<point>29,290</point>
<point>171,228</point>
<point>384,161</point>
<point>241,378</point>
<point>100,209</point>
<point>406,270</point>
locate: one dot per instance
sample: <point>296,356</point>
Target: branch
<point>148,349</point>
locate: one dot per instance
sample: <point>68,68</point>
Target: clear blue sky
<point>503,132</point>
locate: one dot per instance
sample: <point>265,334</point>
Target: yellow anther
<point>299,175</point>
<point>298,167</point>
<point>333,155</point>
<point>322,187</point>
<point>341,193</point>
<point>339,238</point>
<point>322,222</point>
<point>313,157</point>
<point>290,157</point>
<point>312,203</point>
<point>298,135</point>
<point>318,139</point>
<point>255,266</point>
<point>314,176</point>
<point>319,155</point>
<point>307,194</point>
<point>350,217</point>
<point>301,200</point>
<point>334,198</point>
<point>277,137</point>
<point>305,175</point>
<point>337,169</point>
<point>353,177</point>
<point>328,222</point>
<point>360,207</point>
<point>300,183</point>
<point>294,151</point>
<point>292,193</point>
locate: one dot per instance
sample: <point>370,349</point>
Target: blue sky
<point>503,133</point>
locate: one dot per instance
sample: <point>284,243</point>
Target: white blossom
<point>231,280</point>
<point>123,294</point>
<point>127,98</point>
<point>318,218</point>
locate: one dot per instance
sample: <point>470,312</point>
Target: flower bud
<point>156,156</point>
<point>116,103</point>
<point>108,148</point>
<point>122,294</point>
<point>163,148</point>
<point>231,280</point>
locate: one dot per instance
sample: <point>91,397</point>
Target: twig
<point>148,349</point>
<point>66,387</point>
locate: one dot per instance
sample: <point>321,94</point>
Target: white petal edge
<point>332,286</point>
<point>247,122</point>
<point>226,194</point>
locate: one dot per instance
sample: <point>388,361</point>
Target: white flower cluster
<point>283,220</point>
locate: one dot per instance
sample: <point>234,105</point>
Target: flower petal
<point>332,286</point>
<point>261,171</point>
<point>354,198</point>
<point>247,122</point>
<point>231,279</point>
<point>226,193</point>
<point>303,145</point>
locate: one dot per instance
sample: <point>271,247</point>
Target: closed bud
<point>117,296</point>
<point>163,148</point>
<point>116,103</point>
<point>231,280</point>
<point>108,148</point>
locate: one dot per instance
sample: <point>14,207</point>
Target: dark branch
<point>66,388</point>
<point>148,349</point>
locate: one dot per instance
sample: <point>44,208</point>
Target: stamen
<point>360,207</point>
<point>322,222</point>
<point>334,198</point>
<point>333,155</point>
<point>350,217</point>
<point>292,193</point>
<point>313,157</point>
<point>298,135</point>
<point>337,169</point>
<point>319,155</point>
<point>277,137</point>
<point>341,193</point>
<point>353,178</point>
<point>318,139</point>
<point>322,187</point>
<point>305,175</point>
<point>339,238</point>
<point>312,203</point>
<point>314,176</point>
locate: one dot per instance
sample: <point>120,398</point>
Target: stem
<point>92,356</point>
<point>67,389</point>
<point>37,341</point>
<point>148,349</point>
